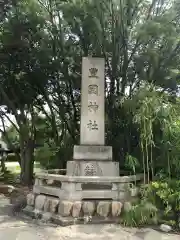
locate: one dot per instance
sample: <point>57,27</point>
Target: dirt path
<point>12,229</point>
<point>21,227</point>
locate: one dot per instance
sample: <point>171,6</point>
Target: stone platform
<point>67,199</point>
<point>77,188</point>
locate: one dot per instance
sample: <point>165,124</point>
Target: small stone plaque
<point>92,153</point>
<point>90,170</point>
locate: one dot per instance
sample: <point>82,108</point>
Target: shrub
<point>51,156</point>
<point>139,214</point>
<point>165,195</point>
<point>11,158</point>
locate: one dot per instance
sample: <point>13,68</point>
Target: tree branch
<point>2,113</point>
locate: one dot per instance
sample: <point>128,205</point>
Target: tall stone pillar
<point>92,102</point>
<point>92,157</point>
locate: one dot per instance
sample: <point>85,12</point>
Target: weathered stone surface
<point>116,208</point>
<point>47,205</point>
<point>89,208</point>
<point>76,210</point>
<point>127,206</point>
<point>39,202</point>
<point>165,228</point>
<point>103,208</point>
<point>28,210</point>
<point>37,213</point>
<point>51,204</point>
<point>19,204</point>
<point>54,205</point>
<point>49,181</point>
<point>83,152</point>
<point>102,168</point>
<point>30,199</point>
<point>46,217</point>
<point>65,208</point>
<point>87,219</point>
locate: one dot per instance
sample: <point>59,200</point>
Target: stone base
<point>79,199</point>
<point>67,212</point>
<point>91,152</point>
<point>92,168</point>
<point>67,221</point>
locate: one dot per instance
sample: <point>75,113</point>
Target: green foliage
<point>11,137</point>
<point>165,195</point>
<point>170,150</point>
<point>140,214</point>
<point>154,110</point>
<point>132,163</point>
<point>51,155</point>
<point>11,158</point>
<point>8,177</point>
<point>46,155</point>
<point>160,203</point>
<point>18,39</point>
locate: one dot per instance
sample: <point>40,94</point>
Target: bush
<point>11,158</point>
<point>52,156</point>
<point>139,214</point>
<point>46,155</point>
<point>165,195</point>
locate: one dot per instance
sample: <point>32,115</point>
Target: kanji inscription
<point>92,106</point>
<point>90,170</point>
<point>92,125</point>
<point>93,89</point>
<point>93,72</point>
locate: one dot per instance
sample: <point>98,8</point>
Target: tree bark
<point>3,166</point>
<point>27,162</point>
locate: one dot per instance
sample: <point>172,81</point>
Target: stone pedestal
<point>92,168</point>
<point>92,161</point>
<point>92,152</point>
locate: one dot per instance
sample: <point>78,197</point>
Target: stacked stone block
<point>76,209</point>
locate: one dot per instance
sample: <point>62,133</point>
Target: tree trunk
<point>3,166</point>
<point>27,162</point>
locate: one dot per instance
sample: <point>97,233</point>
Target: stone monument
<point>92,185</point>
<point>91,157</point>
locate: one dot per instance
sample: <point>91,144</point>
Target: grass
<point>15,168</point>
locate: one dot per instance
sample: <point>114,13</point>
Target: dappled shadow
<point>23,227</point>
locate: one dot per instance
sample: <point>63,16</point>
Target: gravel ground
<point>20,228</point>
